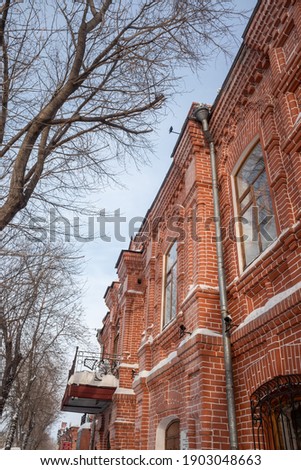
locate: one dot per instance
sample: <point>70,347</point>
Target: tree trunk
<point>12,428</point>
<point>26,436</point>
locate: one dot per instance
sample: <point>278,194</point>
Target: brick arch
<point>281,360</point>
<point>248,130</point>
<point>161,430</point>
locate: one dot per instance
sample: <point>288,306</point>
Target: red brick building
<point>67,437</point>
<point>76,437</point>
<point>163,336</point>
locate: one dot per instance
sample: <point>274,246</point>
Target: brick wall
<point>164,376</point>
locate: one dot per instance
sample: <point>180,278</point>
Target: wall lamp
<point>183,332</point>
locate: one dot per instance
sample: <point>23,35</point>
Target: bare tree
<point>41,312</point>
<point>15,415</point>
<point>35,401</point>
<point>82,82</point>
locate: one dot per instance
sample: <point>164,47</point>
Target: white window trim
<point>161,431</point>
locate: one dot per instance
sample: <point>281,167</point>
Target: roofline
<point>251,18</point>
<point>121,253</point>
<point>237,57</point>
<point>109,287</point>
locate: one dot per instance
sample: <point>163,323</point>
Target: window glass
<point>171,257</point>
<point>170,286</point>
<point>250,170</point>
<point>168,307</point>
<point>246,201</point>
<point>251,245</point>
<point>255,207</point>
<point>116,339</point>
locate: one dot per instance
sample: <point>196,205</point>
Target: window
<point>172,436</point>
<point>276,414</point>
<point>116,339</point>
<point>108,442</point>
<point>258,228</point>
<point>170,300</point>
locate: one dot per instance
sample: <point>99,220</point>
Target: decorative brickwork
<point>176,372</point>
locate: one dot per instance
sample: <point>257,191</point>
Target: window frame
<point>173,283</point>
<point>116,338</point>
<point>239,211</point>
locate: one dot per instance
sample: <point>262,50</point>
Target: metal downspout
<point>201,114</point>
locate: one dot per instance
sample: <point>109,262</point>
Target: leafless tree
<point>15,415</point>
<point>81,84</point>
<point>35,401</point>
<point>41,312</point>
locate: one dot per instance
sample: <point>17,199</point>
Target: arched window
<point>172,436</point>
<point>276,414</point>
